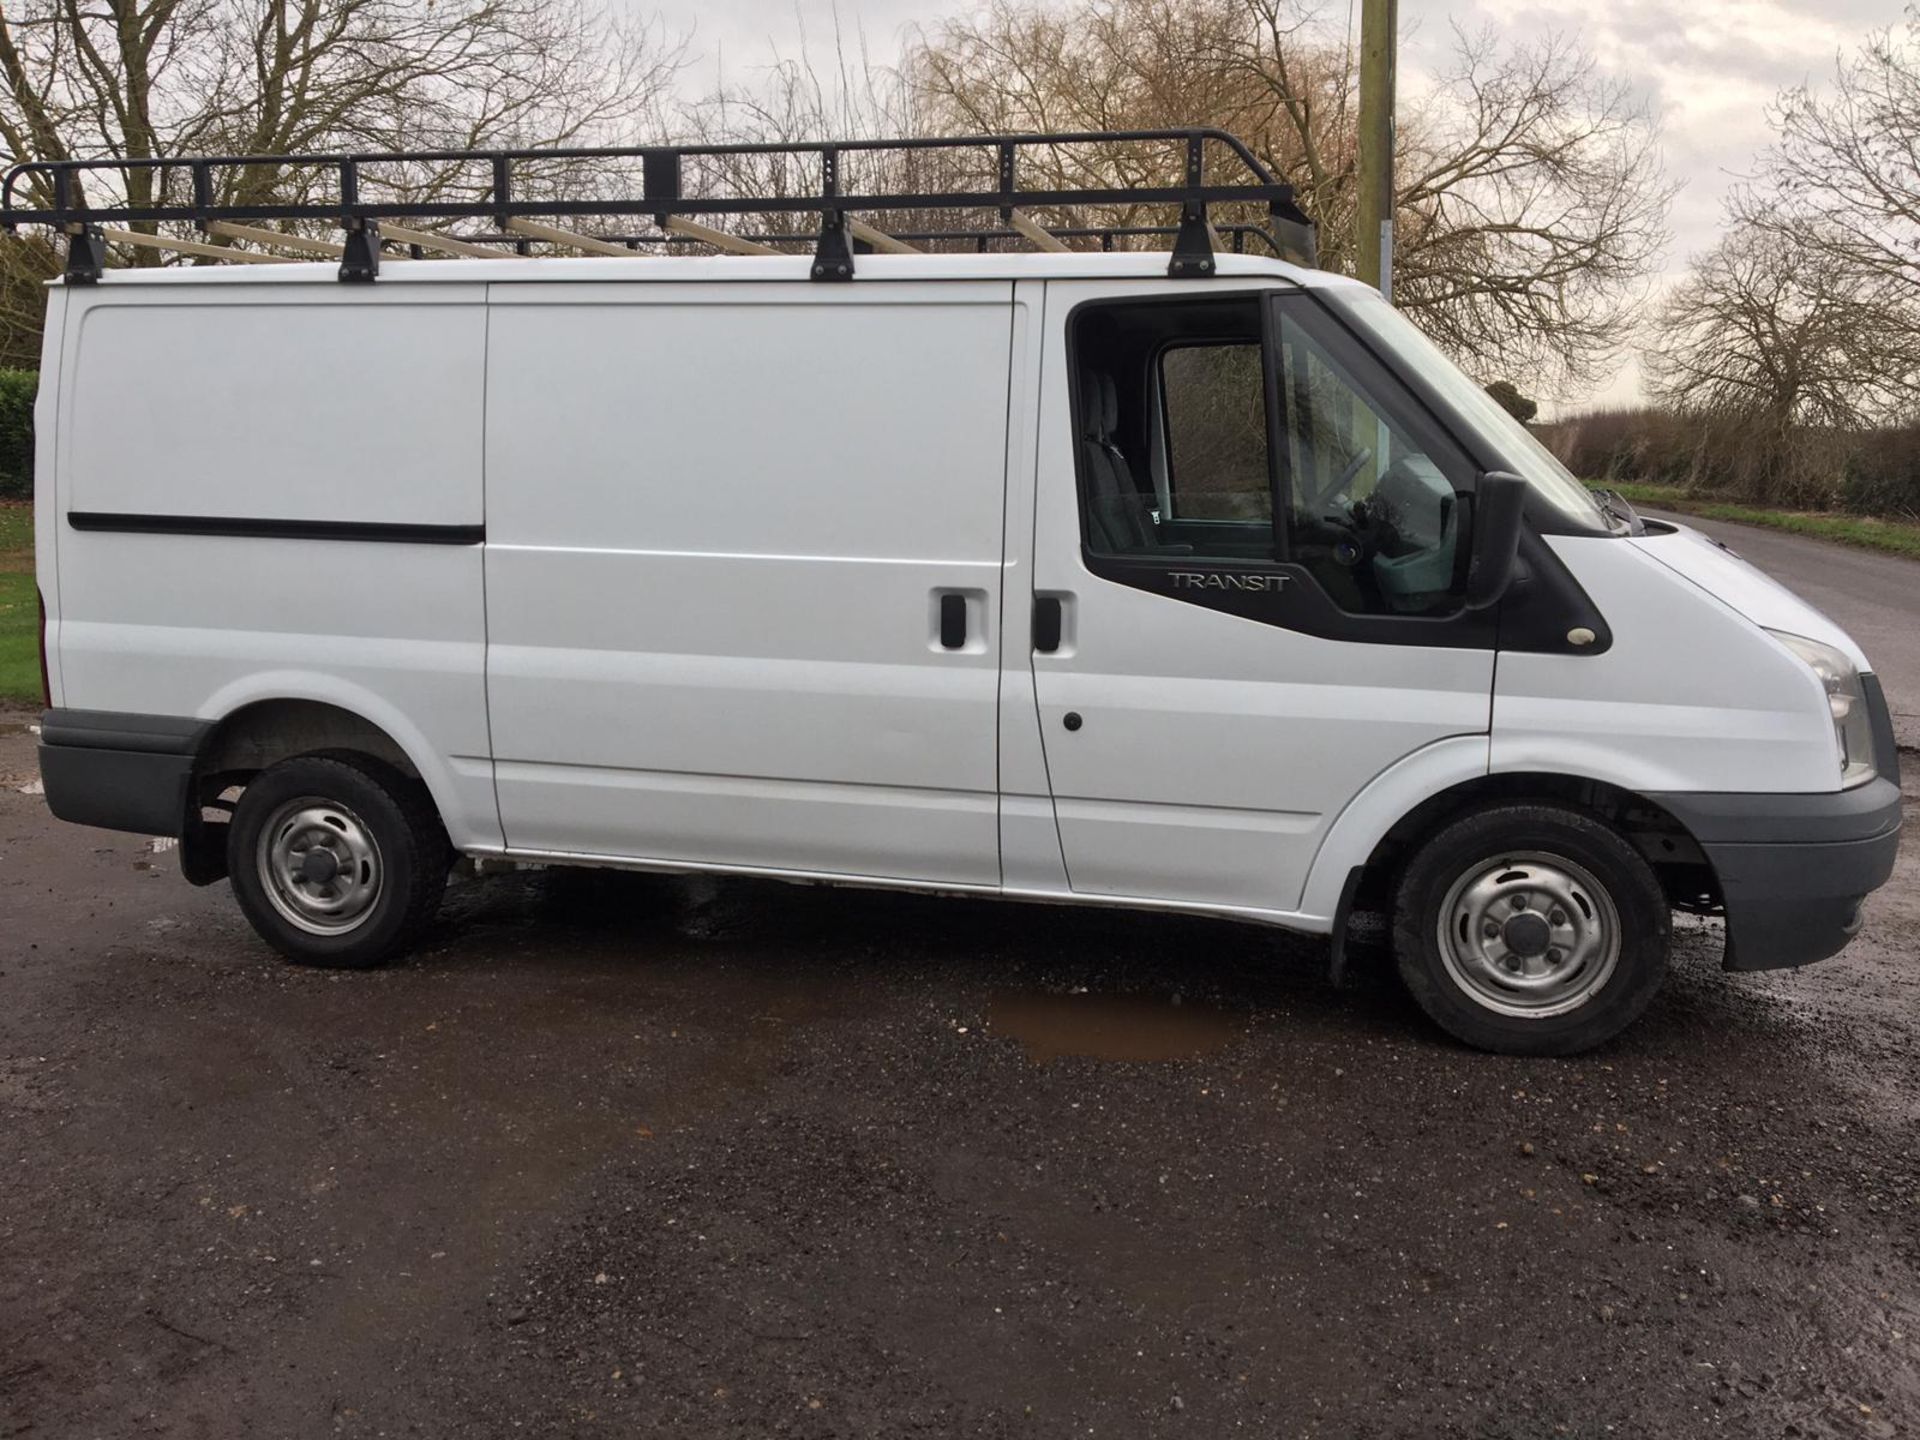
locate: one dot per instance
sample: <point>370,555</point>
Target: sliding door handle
<point>953,622</point>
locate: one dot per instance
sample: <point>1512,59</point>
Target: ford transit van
<point>1059,576</point>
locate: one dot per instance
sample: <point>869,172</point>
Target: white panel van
<point>1044,576</point>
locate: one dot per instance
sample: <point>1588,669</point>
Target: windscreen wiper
<point>1617,507</point>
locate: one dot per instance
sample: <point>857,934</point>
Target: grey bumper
<point>1795,869</point>
<point>119,771</point>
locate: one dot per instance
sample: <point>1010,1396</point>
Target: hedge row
<point>1874,472</point>
<point>17,389</point>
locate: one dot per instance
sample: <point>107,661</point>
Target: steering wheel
<point>1339,484</point>
<point>1361,537</point>
<point>1345,478</point>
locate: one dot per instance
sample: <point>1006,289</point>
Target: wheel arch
<point>265,729</point>
<point>264,732</point>
<point>1413,797</point>
<point>1663,841</point>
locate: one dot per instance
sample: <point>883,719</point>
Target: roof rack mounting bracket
<point>1193,246</point>
<point>360,262</point>
<point>86,254</point>
<point>833,259</point>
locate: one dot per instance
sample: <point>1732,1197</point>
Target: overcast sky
<point>1709,68</point>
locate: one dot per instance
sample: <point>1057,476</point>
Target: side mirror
<point>1499,503</point>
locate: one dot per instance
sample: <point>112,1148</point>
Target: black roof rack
<point>335,189</point>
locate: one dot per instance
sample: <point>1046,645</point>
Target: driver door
<point>1255,540</point>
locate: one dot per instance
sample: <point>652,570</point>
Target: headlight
<point>1852,727</point>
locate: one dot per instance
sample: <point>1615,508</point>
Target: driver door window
<point>1245,435</point>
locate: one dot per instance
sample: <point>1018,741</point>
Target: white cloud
<point>1710,69</point>
<point>746,35</point>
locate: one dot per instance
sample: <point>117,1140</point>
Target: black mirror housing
<point>1499,508</point>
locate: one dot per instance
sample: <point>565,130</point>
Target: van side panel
<point>265,406</point>
<point>720,523</point>
<point>294,403</point>
<point>46,482</point>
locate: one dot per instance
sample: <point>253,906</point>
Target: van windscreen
<point>1492,430</point>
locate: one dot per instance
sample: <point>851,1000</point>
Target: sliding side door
<point>743,563</point>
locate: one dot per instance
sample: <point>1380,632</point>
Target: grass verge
<point>1863,532</point>
<point>19,606</point>
<point>19,638</point>
<point>16,535</point>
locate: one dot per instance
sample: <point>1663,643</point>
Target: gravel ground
<point>622,1156</point>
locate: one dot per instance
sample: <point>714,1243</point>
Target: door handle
<point>953,622</point>
<point>1048,618</point>
<point>1053,623</point>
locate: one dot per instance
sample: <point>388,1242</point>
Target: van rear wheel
<point>337,859</point>
<point>1531,930</point>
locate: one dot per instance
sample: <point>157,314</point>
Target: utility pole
<point>1379,48</point>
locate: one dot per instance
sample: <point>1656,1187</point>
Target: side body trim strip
<point>252,528</point>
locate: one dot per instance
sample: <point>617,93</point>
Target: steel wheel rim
<point>1529,934</point>
<point>320,866</point>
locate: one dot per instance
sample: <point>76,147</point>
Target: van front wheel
<point>1531,930</point>
<point>336,859</point>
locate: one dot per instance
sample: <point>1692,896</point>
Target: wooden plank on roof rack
<point>719,239</point>
<point>1035,231</point>
<point>879,239</point>
<point>445,244</point>
<point>195,247</point>
<point>299,244</point>
<point>553,235</point>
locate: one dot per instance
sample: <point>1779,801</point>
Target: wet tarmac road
<point>623,1156</point>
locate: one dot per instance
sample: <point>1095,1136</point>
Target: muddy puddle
<point>1111,1027</point>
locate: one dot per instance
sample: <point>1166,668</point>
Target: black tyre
<point>1531,930</point>
<point>337,859</point>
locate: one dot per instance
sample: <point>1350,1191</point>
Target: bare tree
<point>1783,358</point>
<point>1763,328</point>
<point>136,79</point>
<point>1143,65</point>
<point>1530,207</point>
<point>800,99</point>
<point>1849,158</point>
<point>1531,204</point>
